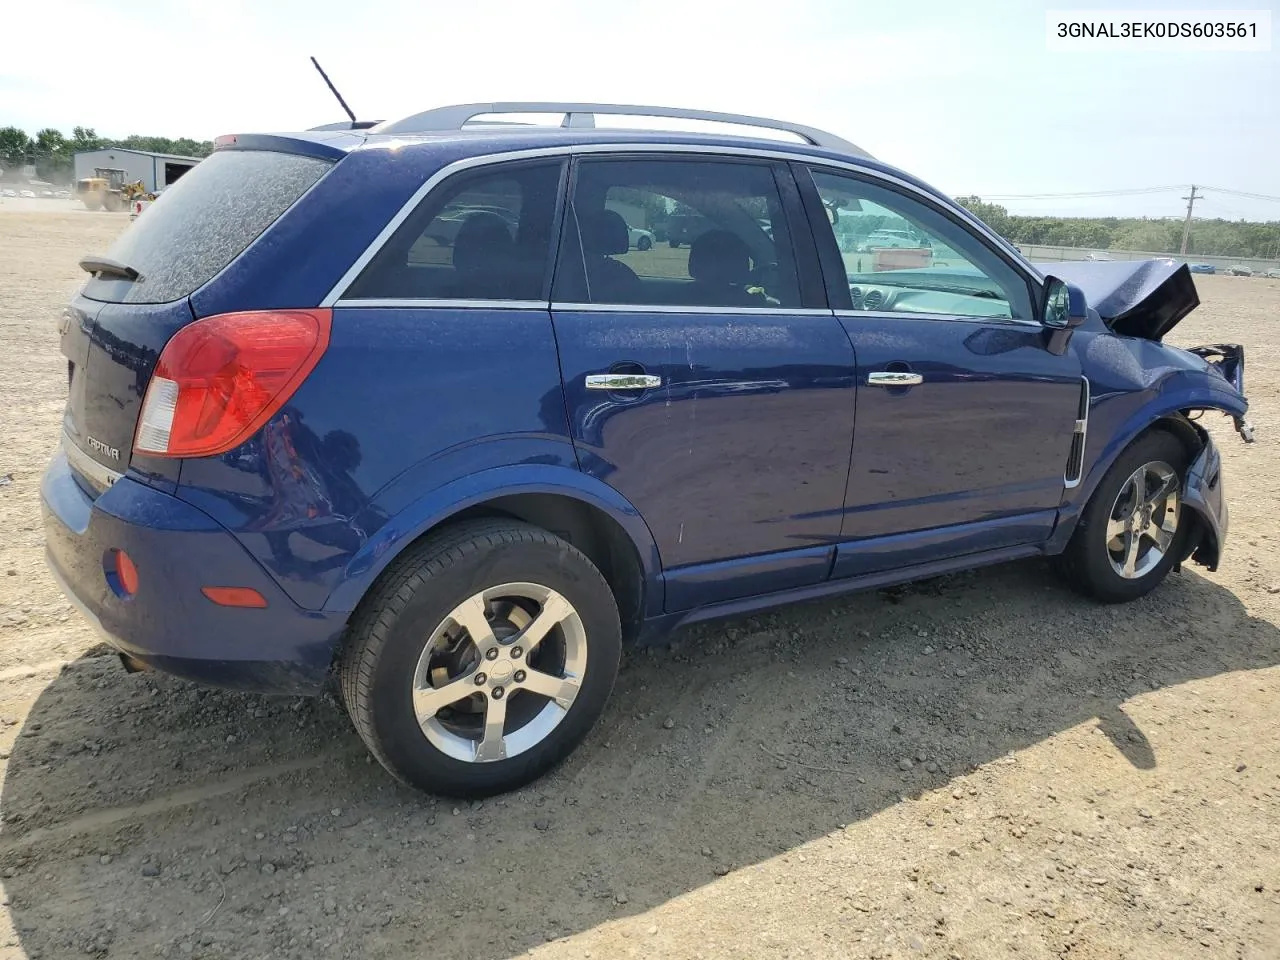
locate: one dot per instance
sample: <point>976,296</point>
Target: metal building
<point>155,170</point>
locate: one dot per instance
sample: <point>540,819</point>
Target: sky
<point>963,93</point>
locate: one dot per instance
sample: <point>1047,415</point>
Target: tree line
<point>52,153</point>
<point>1209,238</point>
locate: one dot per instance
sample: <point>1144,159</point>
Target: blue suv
<point>403,406</point>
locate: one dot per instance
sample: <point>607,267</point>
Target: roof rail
<point>584,114</point>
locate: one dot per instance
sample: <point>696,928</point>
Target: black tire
<point>1086,563</point>
<point>673,243</point>
<point>644,243</point>
<point>390,630</point>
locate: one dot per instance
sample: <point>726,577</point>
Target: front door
<point>965,418</point>
<point>704,381</point>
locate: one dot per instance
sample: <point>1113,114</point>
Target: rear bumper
<point>1204,494</point>
<point>169,624</point>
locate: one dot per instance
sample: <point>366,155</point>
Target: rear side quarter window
<point>481,235</point>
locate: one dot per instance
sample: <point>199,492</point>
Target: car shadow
<point>143,816</point>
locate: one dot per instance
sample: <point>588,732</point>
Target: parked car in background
<point>639,238</point>
<point>1272,274</point>
<point>1239,270</point>
<point>27,194</point>
<point>1100,256</point>
<point>293,451</point>
<point>1202,268</point>
<point>889,240</point>
<point>8,192</point>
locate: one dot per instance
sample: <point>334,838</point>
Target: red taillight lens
<point>220,379</point>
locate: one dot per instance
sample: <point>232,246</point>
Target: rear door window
<point>203,222</point>
<point>482,235</point>
<point>702,233</point>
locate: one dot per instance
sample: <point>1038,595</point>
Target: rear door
<point>137,295</point>
<point>965,417</point>
<point>704,379</point>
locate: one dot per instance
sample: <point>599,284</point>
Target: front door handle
<point>622,381</point>
<point>894,378</point>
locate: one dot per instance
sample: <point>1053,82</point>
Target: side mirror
<point>1065,307</point>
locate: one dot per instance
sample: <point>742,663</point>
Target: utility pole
<point>1186,225</point>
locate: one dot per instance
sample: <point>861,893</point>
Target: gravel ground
<point>980,766</point>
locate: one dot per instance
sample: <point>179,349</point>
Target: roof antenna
<point>334,89</point>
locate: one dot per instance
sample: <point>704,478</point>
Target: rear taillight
<point>220,379</point>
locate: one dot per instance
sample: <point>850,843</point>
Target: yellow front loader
<point>108,189</point>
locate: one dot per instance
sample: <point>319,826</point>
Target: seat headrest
<point>481,239</point>
<point>604,232</point>
<point>720,257</point>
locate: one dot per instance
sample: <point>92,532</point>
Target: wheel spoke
<point>1162,491</point>
<point>1115,527</point>
<point>554,610</point>
<point>1160,535</point>
<point>428,701</point>
<point>494,745</point>
<point>471,615</point>
<point>1140,487</point>
<point>563,690</point>
<point>1131,541</point>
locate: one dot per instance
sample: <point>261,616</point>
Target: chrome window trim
<point>448,304</point>
<point>960,318</point>
<point>624,149</point>
<point>102,477</point>
<point>670,308</point>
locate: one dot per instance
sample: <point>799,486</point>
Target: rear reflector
<point>218,380</point>
<point>235,596</point>
<point>122,575</point>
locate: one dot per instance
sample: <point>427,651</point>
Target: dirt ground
<point>982,766</point>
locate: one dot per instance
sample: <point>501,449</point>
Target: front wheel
<point>644,243</point>
<point>1134,529</point>
<point>482,658</point>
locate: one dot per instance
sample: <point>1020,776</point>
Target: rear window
<point>203,222</point>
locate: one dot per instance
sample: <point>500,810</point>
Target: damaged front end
<point>1228,360</point>
<point>1147,299</point>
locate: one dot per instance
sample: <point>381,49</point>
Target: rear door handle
<point>894,378</point>
<point>622,381</point>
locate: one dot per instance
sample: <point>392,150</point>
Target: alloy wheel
<point>1144,520</point>
<point>500,672</point>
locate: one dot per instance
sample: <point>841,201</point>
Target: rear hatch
<point>137,296</point>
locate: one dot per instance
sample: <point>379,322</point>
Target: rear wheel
<point>112,202</point>
<point>482,658</point>
<point>1134,529</point>
<point>644,243</point>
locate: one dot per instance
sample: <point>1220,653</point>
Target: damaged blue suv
<point>404,406</point>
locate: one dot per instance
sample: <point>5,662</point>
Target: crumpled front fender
<point>1203,494</point>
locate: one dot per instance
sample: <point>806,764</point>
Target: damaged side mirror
<point>1064,306</point>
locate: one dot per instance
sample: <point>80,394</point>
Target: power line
<point>1129,192</point>
<point>1091,193</point>
<point>1242,193</point>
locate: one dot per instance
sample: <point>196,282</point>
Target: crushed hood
<point>1135,298</point>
